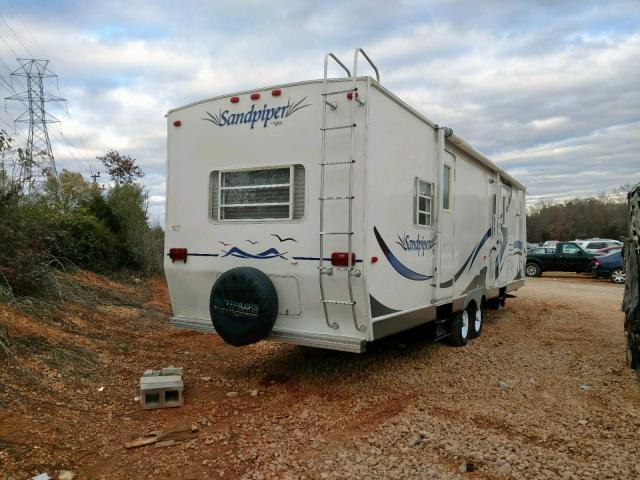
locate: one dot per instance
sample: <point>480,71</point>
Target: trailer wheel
<point>460,329</point>
<point>476,319</point>
<point>533,270</point>
<point>243,306</point>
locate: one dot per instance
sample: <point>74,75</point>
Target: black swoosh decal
<point>395,263</point>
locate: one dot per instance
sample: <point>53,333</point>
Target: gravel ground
<point>543,393</point>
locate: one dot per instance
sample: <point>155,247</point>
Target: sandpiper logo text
<point>264,116</point>
<point>419,244</point>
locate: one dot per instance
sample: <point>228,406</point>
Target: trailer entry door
<point>448,267</point>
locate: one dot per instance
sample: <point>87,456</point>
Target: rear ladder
<point>349,197</point>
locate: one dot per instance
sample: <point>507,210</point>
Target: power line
<point>8,85</point>
<point>84,145</point>
<point>70,148</point>
<point>9,70</point>
<point>68,113</point>
<point>9,46</point>
<point>12,127</point>
<point>32,37</point>
<point>84,149</point>
<point>17,37</point>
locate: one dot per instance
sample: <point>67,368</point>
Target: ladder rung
<point>342,162</point>
<point>336,233</point>
<point>353,125</point>
<point>338,302</point>
<point>337,198</point>
<point>337,92</point>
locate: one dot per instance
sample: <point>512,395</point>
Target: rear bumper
<point>319,340</point>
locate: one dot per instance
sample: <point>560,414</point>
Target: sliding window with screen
<point>264,194</point>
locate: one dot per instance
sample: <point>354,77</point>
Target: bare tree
<point>121,168</point>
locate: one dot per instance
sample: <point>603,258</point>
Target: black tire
<point>476,321</point>
<point>532,270</point>
<point>617,275</point>
<point>459,329</point>
<point>243,306</point>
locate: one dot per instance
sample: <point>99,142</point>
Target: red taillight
<point>235,99</point>
<point>255,96</point>
<point>276,93</point>
<point>374,259</point>
<point>341,259</point>
<point>596,263</point>
<point>350,95</point>
<point>177,254</point>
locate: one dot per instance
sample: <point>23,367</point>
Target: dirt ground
<point>543,393</point>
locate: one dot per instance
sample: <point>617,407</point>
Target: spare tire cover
<point>243,305</point>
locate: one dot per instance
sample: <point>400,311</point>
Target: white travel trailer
<point>330,213</point>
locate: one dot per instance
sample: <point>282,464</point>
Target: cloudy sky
<point>548,89</point>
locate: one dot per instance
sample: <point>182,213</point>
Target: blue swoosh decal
<point>395,263</point>
<point>238,253</point>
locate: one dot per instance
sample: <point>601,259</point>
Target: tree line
<point>603,216</point>
<point>67,222</point>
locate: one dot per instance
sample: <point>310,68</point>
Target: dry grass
<point>50,331</point>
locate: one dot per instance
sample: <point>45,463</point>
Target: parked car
<point>592,245</point>
<point>609,266</point>
<point>607,250</point>
<point>540,250</point>
<point>565,257</point>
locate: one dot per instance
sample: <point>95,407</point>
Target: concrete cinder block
<point>161,391</point>
<point>171,370</point>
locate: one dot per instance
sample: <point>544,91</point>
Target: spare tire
<point>243,306</point>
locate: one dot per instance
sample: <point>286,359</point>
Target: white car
<point>592,245</point>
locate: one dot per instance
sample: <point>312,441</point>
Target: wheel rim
<point>531,270</point>
<point>477,321</point>
<point>464,328</point>
<point>618,276</point>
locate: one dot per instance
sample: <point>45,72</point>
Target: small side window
<point>446,188</point>
<point>423,203</point>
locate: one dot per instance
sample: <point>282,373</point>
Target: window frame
<point>416,203</point>
<point>291,202</point>
<point>448,189</point>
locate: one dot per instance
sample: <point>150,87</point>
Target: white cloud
<point>549,90</point>
<point>546,123</point>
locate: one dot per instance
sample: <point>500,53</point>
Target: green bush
<point>127,204</point>
<point>22,257</point>
<point>83,240</point>
<point>68,220</point>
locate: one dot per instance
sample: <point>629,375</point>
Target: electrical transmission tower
<point>39,161</point>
